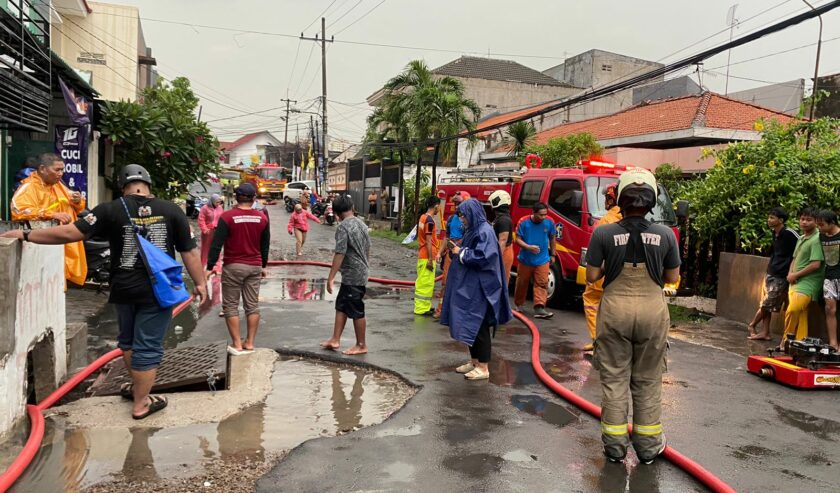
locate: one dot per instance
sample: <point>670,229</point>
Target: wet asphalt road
<point>511,434</point>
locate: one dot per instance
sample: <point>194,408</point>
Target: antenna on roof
<point>732,22</point>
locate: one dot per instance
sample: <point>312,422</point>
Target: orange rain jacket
<point>34,200</point>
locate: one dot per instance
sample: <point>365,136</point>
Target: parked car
<point>295,189</point>
<point>199,194</point>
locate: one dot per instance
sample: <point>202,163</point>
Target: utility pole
<point>323,40</point>
<point>286,132</point>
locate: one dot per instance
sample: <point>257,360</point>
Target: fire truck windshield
<point>271,173</point>
<point>663,213</point>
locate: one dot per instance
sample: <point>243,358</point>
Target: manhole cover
<point>182,367</point>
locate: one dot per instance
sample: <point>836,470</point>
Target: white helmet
<point>499,198</point>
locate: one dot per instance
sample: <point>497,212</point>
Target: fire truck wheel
<point>555,284</point>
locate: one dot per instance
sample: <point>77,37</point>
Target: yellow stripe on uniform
<point>614,429</point>
<point>647,429</point>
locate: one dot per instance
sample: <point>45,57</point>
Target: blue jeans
<point>142,328</point>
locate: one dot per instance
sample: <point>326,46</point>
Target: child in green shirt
<point>805,276</point>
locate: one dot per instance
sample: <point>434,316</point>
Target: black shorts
<point>350,301</point>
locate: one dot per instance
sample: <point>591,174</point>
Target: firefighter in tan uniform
<point>636,258</point>
<point>595,291</point>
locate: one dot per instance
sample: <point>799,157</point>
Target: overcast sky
<point>252,72</point>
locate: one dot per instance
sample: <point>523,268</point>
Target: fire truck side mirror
<point>682,209</point>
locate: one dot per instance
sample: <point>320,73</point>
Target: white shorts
<point>831,289</point>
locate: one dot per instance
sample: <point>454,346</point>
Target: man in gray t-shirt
<point>352,248</point>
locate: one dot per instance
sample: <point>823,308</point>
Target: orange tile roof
<point>703,110</point>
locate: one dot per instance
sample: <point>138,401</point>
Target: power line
<point>345,13</point>
<point>305,68</point>
<point>320,15</point>
<point>598,93</point>
<point>360,18</point>
<point>245,114</point>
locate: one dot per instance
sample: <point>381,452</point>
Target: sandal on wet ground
<point>238,352</point>
<point>465,368</point>
<point>156,403</point>
<point>477,374</point>
<point>127,391</point>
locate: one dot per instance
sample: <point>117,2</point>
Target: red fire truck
<point>268,178</point>
<point>575,199</point>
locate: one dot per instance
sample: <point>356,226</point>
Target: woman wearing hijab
<point>208,218</point>
<point>476,296</point>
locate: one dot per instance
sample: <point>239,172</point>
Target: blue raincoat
<point>476,279</point>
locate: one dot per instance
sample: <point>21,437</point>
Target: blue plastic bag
<point>165,274</point>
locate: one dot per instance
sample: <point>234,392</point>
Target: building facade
<point>105,43</point>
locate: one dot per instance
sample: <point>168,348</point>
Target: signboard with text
<point>71,146</point>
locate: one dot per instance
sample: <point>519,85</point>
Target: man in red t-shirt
<point>424,287</point>
<point>244,234</point>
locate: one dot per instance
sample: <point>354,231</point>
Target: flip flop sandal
<point>477,374</point>
<point>127,391</point>
<point>238,352</point>
<point>156,404</point>
<point>465,368</point>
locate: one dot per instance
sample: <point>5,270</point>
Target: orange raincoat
<point>34,200</point>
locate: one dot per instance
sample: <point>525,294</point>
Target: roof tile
<point>495,69</point>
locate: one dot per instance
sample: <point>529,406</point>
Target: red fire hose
<point>36,434</point>
<point>694,469</point>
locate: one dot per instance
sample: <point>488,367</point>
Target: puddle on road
<point>299,289</point>
<point>308,400</point>
<point>548,411</point>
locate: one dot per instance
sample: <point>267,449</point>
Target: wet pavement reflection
<point>275,289</point>
<point>309,399</point>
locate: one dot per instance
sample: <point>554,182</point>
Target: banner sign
<point>78,107</point>
<point>71,146</point>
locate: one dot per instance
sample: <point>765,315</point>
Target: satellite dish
<point>730,16</point>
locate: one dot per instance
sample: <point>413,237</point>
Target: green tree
<point>520,135</point>
<point>162,133</point>
<point>565,152</point>
<point>670,176</point>
<point>750,178</point>
<point>419,106</point>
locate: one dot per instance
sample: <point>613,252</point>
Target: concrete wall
<point>785,96</point>
<point>113,65</point>
<point>690,159</point>
<point>740,284</point>
<point>495,96</point>
<point>34,294</point>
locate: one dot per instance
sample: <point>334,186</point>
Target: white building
<point>249,148</point>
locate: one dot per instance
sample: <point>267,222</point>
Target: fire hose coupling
<point>767,372</point>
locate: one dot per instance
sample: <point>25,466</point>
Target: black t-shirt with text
<point>656,247</point>
<point>163,223</point>
<point>504,224</point>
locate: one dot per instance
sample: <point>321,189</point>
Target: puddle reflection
<point>308,400</point>
<point>305,289</point>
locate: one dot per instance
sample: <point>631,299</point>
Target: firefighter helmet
<point>499,198</point>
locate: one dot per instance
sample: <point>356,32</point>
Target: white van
<point>294,189</point>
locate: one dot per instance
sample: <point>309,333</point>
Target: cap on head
<point>133,172</point>
<point>245,190</point>
<point>641,184</point>
<point>499,198</point>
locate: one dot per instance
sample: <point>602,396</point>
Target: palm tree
<point>520,135</point>
<point>420,106</point>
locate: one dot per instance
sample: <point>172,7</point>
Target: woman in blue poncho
<point>475,298</point>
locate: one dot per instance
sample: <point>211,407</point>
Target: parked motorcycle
<point>328,215</point>
<point>291,203</point>
<point>194,204</point>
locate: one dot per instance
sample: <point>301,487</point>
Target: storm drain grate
<point>192,366</point>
